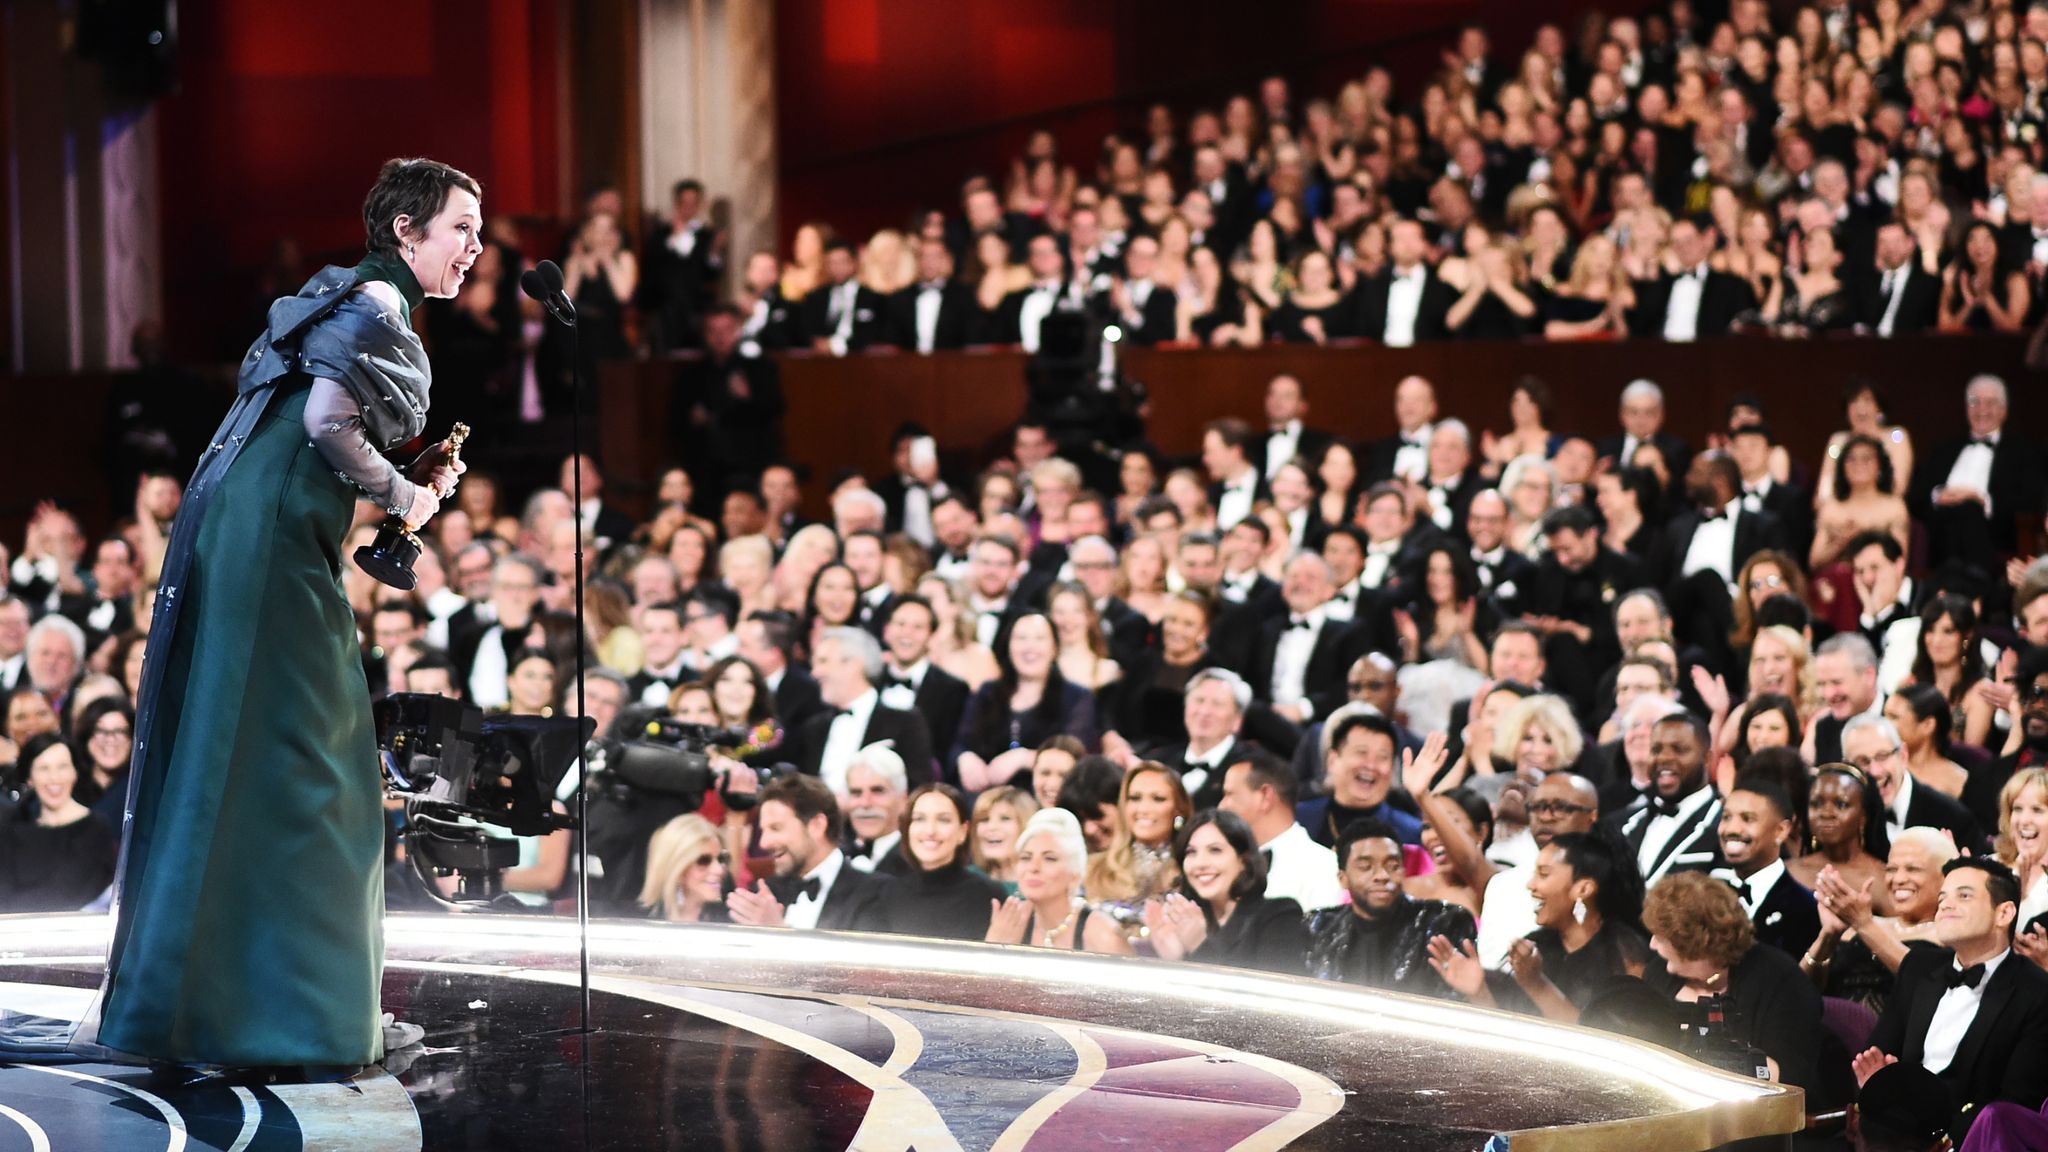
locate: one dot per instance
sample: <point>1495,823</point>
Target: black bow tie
<point>1741,889</point>
<point>842,712</point>
<point>1986,441</point>
<point>1964,977</point>
<point>1659,806</point>
<point>1304,624</point>
<point>892,680</point>
<point>787,891</point>
<point>1713,517</point>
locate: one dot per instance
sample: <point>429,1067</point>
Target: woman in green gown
<point>250,900</point>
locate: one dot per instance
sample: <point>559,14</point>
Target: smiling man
<point>1675,827</point>
<point>1358,773</point>
<point>814,887</point>
<point>1755,827</point>
<point>873,807</point>
<point>1872,743</point>
<point>1381,939</point>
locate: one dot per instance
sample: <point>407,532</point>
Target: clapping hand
<point>1868,1062</point>
<point>755,907</point>
<point>1007,920</point>
<point>1850,905</point>
<point>2033,944</point>
<point>1527,963</point>
<point>1419,769</point>
<point>1176,924</point>
<point>1459,966</point>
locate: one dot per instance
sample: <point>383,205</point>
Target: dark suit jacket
<point>1792,505</point>
<point>941,701</point>
<point>2004,1054</point>
<point>1368,303</point>
<point>1918,311</point>
<point>1788,919</point>
<point>870,319</point>
<point>1376,460</point>
<point>960,318</point>
<point>1008,324</point>
<point>1677,453</point>
<point>907,729</point>
<point>1724,297</point>
<point>796,699</point>
<point>1206,792</point>
<point>1335,650</point>
<point>1260,492</point>
<point>1156,321</point>
<point>2015,485</point>
<point>1932,809</point>
<point>784,326</point>
<point>1694,847</point>
<point>858,902</point>
<point>674,289</point>
<point>1309,446</point>
<point>1754,532</point>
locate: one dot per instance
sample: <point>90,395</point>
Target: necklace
<point>1059,928</point>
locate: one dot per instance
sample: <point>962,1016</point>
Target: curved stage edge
<point>732,1038</point>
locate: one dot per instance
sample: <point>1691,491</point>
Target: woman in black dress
<point>1150,710</point>
<point>940,894</point>
<point>1589,899</point>
<point>55,854</point>
<point>1981,291</point>
<point>1222,915</point>
<point>1698,926</point>
<point>105,733</point>
<point>1011,715</point>
<point>1315,312</point>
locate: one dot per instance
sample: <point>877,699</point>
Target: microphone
<point>544,283</point>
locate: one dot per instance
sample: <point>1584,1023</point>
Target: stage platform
<point>736,1039</point>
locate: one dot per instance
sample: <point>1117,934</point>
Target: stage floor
<point>737,1039</point>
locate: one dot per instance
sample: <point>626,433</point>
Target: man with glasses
<point>1093,560</point>
<point>1872,744</point>
<point>1562,803</point>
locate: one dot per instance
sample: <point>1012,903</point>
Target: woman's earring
<point>1579,911</point>
<point>411,250</point>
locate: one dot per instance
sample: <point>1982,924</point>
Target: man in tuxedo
<point>1407,303</point>
<point>1677,826</point>
<point>848,664</point>
<point>843,315</point>
<point>1148,312</point>
<point>1287,438</point>
<point>1021,315</point>
<point>1230,197</point>
<point>605,525</point>
<point>938,313</point>
<point>1888,596</point>
<point>667,647</point>
<point>1504,573</point>
<point>1845,676</point>
<point>1244,584</point>
<point>56,661</point>
<point>912,683</point>
<point>877,789</point>
<point>1642,422</point>
<point>1131,635</point>
<point>991,586</point>
<point>1404,455</point>
<point>1213,709</point>
<point>1265,792</point>
<point>1903,298</point>
<point>1755,828</point>
<point>1298,666</point>
<point>1872,743</point>
<point>728,414</point>
<point>1446,489</point>
<point>1235,484</point>
<point>1394,541</point>
<point>767,640</point>
<point>1569,598</point>
<point>109,609</point>
<point>814,884</point>
<point>1696,301</point>
<point>1705,548</point>
<point>770,321</point>
<point>863,553</point>
<point>13,644</point>
<point>1972,1011</point>
<point>1749,445</point>
<point>1972,492</point>
<point>485,649</point>
<point>954,526</point>
<point>1358,776</point>
<point>910,493</point>
<point>680,274</point>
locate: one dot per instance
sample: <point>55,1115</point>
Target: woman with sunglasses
<point>687,870</point>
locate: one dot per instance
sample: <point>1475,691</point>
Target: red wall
<point>286,110</point>
<point>884,106</point>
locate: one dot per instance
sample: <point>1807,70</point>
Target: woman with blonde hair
<point>1142,581</point>
<point>2022,843</point>
<point>747,566</point>
<point>886,263</point>
<point>686,872</point>
<point>608,612</point>
<point>953,646</point>
<point>1138,864</point>
<point>1049,910</point>
<point>1780,661</point>
<point>1541,736</point>
<point>810,549</point>
<point>1000,815</point>
<point>1594,300</point>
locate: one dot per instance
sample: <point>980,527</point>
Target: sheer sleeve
<point>334,423</point>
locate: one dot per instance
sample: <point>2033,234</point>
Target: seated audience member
<point>813,886</point>
<point>1756,831</point>
<point>1382,938</point>
<point>105,729</point>
<point>847,664</point>
<point>1216,700</point>
<point>1858,951</point>
<point>1358,775</point>
<point>1049,910</point>
<point>1561,804</point>
<point>1871,743</point>
<point>56,855</point>
<point>1588,913</point>
<point>1971,1011</point>
<point>1675,826</point>
<point>687,870</point>
<point>911,681</point>
<point>1261,790</point>
<point>1462,869</point>
<point>938,893</point>
<point>872,808</point>
<point>1011,715</point>
<point>1221,914</point>
<point>1050,766</point>
<point>999,817</point>
<point>1139,864</point>
<point>1709,947</point>
<point>1091,793</point>
<point>1299,660</point>
<point>2022,843</point>
<point>1968,490</point>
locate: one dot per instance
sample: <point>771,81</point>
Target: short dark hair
<point>1360,830</point>
<point>1999,880</point>
<point>433,660</point>
<point>717,599</point>
<point>676,190</point>
<point>1572,518</point>
<point>412,610</point>
<point>1234,433</point>
<point>1094,781</point>
<point>1760,784</point>
<point>1254,524</point>
<point>808,797</point>
<point>1370,721</point>
<point>1893,551</point>
<point>779,628</point>
<point>416,189</point>
<point>911,600</point>
<point>1787,609</point>
<point>1265,770</point>
<point>1691,720</point>
<point>1251,876</point>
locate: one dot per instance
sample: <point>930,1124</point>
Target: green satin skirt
<point>254,903</point>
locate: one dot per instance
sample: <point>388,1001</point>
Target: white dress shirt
<point>1893,287</point>
<point>1297,527</point>
<point>1199,768</point>
<point>1972,469</point>
<point>1290,659</point>
<point>848,730</point>
<point>1713,545</point>
<point>1404,304</point>
<point>988,620</point>
<point>1036,307</point>
<point>1411,459</point>
<point>1682,312</point>
<point>1895,812</point>
<point>655,695</point>
<point>1301,870</point>
<point>930,295</point>
<point>903,697</point>
<point>1235,588</point>
<point>1661,828</point>
<point>803,911</point>
<point>1953,1015</point>
<point>1758,886</point>
<point>1344,605</point>
<point>876,853</point>
<point>1379,562</point>
<point>1282,446</point>
<point>1510,914</point>
<point>1238,496</point>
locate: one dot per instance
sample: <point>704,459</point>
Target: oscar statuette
<point>389,558</point>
